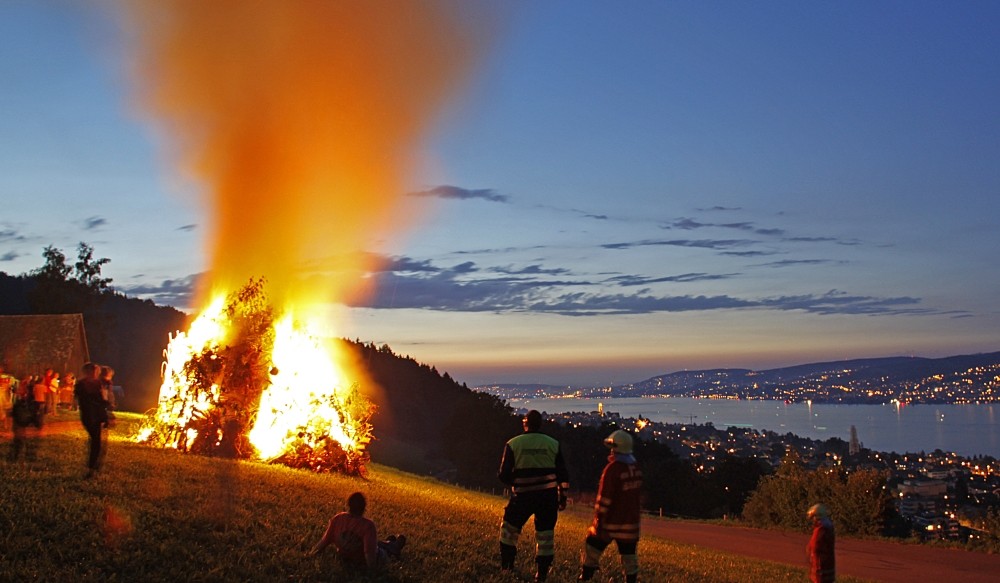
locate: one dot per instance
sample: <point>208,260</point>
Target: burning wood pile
<point>245,382</point>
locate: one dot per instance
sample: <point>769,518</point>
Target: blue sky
<point>622,190</point>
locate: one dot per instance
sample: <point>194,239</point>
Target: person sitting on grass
<point>355,539</point>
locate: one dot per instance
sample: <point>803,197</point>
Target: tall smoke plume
<point>301,121</point>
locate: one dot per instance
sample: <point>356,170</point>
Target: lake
<point>964,429</point>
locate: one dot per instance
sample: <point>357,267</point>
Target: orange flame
<point>301,120</point>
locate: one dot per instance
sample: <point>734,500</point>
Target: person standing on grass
<point>108,386</point>
<point>93,413</point>
<point>533,467</point>
<point>22,416</point>
<point>355,538</point>
<point>66,391</point>
<point>40,394</point>
<point>8,385</point>
<point>617,512</point>
<point>822,564</point>
<point>52,397</point>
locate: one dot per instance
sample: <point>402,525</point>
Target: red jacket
<point>822,566</point>
<point>619,500</point>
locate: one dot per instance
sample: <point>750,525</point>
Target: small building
<point>31,344</point>
<point>926,488</point>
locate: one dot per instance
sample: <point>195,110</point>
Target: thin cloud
<point>688,224</point>
<point>793,262</point>
<point>406,264</point>
<point>737,226</point>
<point>94,223</point>
<point>187,228</point>
<point>499,250</point>
<point>9,233</point>
<point>530,270</point>
<point>10,256</point>
<point>171,292</point>
<point>838,302</point>
<point>698,243</point>
<point>810,239</point>
<point>637,280</point>
<point>456,192</point>
<point>720,209</point>
<point>749,253</point>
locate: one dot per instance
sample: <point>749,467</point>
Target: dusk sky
<point>620,190</point>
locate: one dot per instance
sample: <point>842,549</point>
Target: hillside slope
<point>157,515</point>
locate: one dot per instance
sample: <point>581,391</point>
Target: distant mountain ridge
<point>953,379</point>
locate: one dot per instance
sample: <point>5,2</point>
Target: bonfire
<point>246,382</point>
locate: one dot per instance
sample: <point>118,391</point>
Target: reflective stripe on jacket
<point>532,462</point>
<point>618,509</point>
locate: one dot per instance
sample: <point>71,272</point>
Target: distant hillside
<point>972,378</point>
<point>428,423</point>
<point>954,379</point>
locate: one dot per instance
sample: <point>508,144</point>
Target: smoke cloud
<point>302,121</point>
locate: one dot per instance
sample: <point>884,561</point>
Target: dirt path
<point>876,560</point>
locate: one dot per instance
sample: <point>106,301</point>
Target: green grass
<point>155,515</point>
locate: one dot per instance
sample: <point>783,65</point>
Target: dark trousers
<point>624,547</point>
<point>544,506</point>
<point>94,432</point>
<point>22,445</point>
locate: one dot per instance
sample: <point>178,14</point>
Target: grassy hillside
<point>156,515</point>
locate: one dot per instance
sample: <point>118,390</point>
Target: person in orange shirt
<point>40,395</point>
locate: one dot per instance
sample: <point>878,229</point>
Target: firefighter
<point>616,514</point>
<point>533,467</point>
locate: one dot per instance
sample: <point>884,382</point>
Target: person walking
<point>822,563</point>
<point>532,465</point>
<point>93,412</point>
<point>617,512</point>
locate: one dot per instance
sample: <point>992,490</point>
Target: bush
<point>859,502</point>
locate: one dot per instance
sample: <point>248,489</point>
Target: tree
<point>736,478</point>
<point>55,267</point>
<point>55,291</point>
<point>88,269</point>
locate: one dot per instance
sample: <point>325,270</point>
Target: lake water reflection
<point>964,429</point>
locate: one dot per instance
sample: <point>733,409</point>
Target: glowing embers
<point>243,383</point>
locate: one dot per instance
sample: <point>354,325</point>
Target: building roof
<point>31,344</point>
